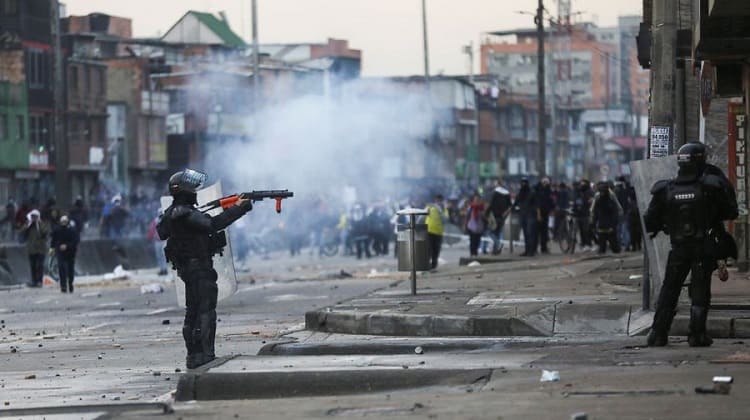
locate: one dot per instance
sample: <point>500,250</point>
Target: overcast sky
<point>389,32</point>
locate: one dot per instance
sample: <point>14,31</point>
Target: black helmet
<point>186,181</point>
<point>692,157</point>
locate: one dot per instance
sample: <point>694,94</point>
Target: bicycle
<point>566,233</point>
<point>329,245</point>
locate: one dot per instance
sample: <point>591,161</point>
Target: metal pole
<point>541,121</point>
<point>412,226</point>
<point>425,46</point>
<point>62,177</point>
<point>256,58</point>
<point>663,72</point>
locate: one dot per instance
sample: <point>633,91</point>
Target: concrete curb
<point>399,324</point>
<point>275,384</point>
<point>69,411</point>
<point>718,325</point>
<point>294,348</point>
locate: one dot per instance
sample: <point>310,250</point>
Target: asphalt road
<point>110,343</point>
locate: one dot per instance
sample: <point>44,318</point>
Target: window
<point>3,127</point>
<point>20,128</point>
<point>103,81</point>
<point>87,78</point>
<point>37,68</point>
<point>74,77</point>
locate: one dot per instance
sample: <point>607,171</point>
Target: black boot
<point>659,335</point>
<point>697,336</point>
<point>204,340</point>
<point>188,334</point>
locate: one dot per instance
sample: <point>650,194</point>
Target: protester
<point>118,217</point>
<point>562,206</point>
<point>500,206</point>
<point>605,216</point>
<point>582,211</point>
<point>545,204</point>
<point>36,234</point>
<point>437,214</point>
<point>527,209</point>
<point>475,224</point>
<point>360,231</point>
<point>64,245</point>
<point>79,215</point>
<point>7,222</point>
<point>623,198</point>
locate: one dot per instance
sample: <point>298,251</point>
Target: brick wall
<point>11,66</point>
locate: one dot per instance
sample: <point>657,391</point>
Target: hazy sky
<point>389,32</point>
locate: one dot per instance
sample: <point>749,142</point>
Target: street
<point>112,343</point>
<point>109,350</point>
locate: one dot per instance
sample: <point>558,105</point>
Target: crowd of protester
<point>605,213</point>
<point>104,215</point>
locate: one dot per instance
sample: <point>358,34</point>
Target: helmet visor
<point>193,178</point>
<point>684,158</point>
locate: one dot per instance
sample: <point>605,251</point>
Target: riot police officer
<point>192,239</point>
<point>690,209</point>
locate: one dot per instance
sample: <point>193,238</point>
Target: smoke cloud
<point>360,141</point>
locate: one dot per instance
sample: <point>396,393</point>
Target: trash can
<point>421,247</point>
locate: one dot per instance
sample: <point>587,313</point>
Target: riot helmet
<point>691,157</point>
<point>187,181</point>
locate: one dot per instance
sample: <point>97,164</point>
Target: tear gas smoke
<point>367,139</point>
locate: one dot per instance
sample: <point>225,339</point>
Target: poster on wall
<point>659,141</point>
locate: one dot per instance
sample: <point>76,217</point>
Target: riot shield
<point>645,173</point>
<point>223,264</point>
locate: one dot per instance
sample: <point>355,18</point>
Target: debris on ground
<point>419,350</point>
<point>118,273</point>
<point>474,264</point>
<point>30,377</point>
<point>152,288</point>
<point>579,416</point>
<point>165,322</point>
<point>550,376</point>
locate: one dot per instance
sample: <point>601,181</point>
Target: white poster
<point>659,142</point>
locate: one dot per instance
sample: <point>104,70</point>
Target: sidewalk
<point>543,307</point>
<point>544,296</point>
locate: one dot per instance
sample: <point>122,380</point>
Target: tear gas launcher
<point>230,200</point>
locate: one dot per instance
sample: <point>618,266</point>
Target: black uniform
<point>66,258</point>
<point>192,240</point>
<point>605,217</point>
<point>690,209</point>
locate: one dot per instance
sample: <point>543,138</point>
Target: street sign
<point>707,86</point>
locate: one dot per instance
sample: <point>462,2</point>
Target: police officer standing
<point>690,209</point>
<point>192,239</point>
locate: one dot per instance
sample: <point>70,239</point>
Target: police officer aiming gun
<point>690,209</point>
<point>192,239</point>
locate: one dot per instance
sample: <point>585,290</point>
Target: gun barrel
<point>261,194</point>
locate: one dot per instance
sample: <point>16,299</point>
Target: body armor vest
<point>185,243</point>
<point>687,214</point>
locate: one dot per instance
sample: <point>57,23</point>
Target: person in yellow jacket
<point>343,228</point>
<point>436,217</point>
